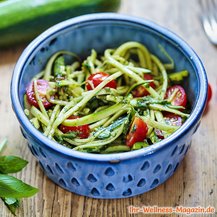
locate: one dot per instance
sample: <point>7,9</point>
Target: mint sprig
<point>11,188</point>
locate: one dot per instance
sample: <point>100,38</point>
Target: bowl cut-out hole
<point>109,172</point>
<point>186,150</point>
<point>34,152</point>
<point>169,168</point>
<point>91,178</point>
<point>181,149</point>
<point>141,182</point>
<point>62,182</point>
<point>71,167</point>
<point>32,62</point>
<point>154,183</point>
<point>22,131</point>
<point>95,192</point>
<point>145,166</point>
<point>49,169</point>
<point>128,192</point>
<point>176,167</point>
<point>157,168</point>
<point>174,151</point>
<point>127,178</point>
<point>58,168</point>
<point>75,182</point>
<point>42,152</point>
<point>196,128</point>
<point>110,187</point>
<point>53,41</point>
<point>43,49</point>
<point>42,166</point>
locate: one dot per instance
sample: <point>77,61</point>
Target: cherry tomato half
<point>82,131</point>
<point>173,119</point>
<point>141,91</point>
<point>209,94</point>
<point>42,87</point>
<point>170,119</point>
<point>95,79</point>
<point>180,98</point>
<point>137,132</point>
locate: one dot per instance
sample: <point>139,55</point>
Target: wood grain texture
<point>195,181</point>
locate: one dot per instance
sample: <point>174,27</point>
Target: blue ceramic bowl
<point>112,175</point>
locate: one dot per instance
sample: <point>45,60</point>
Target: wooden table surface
<point>195,181</point>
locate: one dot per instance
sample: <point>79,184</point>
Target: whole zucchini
<point>22,20</point>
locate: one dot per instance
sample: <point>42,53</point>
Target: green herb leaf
<point>59,66</point>
<point>178,76</point>
<point>139,145</point>
<point>129,119</point>
<point>11,164</point>
<point>154,138</point>
<point>11,203</point>
<point>106,133</point>
<point>10,200</point>
<point>13,187</point>
<point>2,144</point>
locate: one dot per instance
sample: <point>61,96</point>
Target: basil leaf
<point>10,200</point>
<point>2,144</point>
<point>106,133</point>
<point>13,187</point>
<point>11,164</point>
<point>11,203</point>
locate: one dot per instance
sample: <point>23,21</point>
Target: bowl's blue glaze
<point>114,175</point>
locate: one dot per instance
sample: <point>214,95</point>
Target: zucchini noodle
<point>109,103</point>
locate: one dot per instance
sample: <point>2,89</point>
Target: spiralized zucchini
<point>107,113</point>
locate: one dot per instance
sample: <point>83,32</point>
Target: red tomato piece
<point>170,119</point>
<point>42,87</point>
<point>137,132</point>
<point>82,131</point>
<point>209,94</point>
<point>141,91</point>
<point>179,98</point>
<point>173,119</point>
<point>95,79</point>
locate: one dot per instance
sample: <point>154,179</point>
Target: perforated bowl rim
<point>172,37</point>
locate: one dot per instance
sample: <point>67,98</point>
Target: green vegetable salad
<point>123,100</point>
